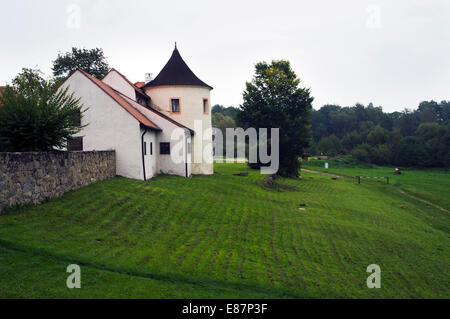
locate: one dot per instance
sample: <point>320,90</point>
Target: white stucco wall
<point>117,82</point>
<point>191,106</point>
<point>109,126</point>
<point>167,164</point>
<point>150,157</point>
<point>175,163</point>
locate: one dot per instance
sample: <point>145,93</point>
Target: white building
<point>155,127</point>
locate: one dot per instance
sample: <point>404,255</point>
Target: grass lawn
<point>431,184</point>
<point>223,236</point>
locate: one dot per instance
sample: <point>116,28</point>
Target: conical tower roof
<point>176,72</point>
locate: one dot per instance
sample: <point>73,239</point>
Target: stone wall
<point>30,178</point>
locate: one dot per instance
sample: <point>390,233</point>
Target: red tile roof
<point>138,105</point>
<point>122,102</point>
<point>137,86</point>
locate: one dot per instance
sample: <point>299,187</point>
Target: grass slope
<point>223,236</point>
<point>429,184</point>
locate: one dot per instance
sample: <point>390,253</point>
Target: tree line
<point>411,138</point>
<point>419,138</point>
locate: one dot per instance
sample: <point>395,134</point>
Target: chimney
<point>148,77</point>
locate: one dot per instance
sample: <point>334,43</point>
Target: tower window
<point>175,105</point>
<point>205,106</point>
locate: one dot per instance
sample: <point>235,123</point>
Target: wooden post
<point>387,180</point>
<point>359,180</point>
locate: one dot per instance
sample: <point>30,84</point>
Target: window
<point>77,118</point>
<point>145,148</point>
<point>189,148</point>
<point>205,106</point>
<point>164,148</point>
<point>75,145</point>
<point>175,105</point>
<point>151,148</point>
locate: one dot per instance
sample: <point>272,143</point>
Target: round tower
<point>180,94</point>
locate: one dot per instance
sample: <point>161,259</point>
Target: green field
<point>431,184</point>
<point>223,236</point>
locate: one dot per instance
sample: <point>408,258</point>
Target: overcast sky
<point>394,53</point>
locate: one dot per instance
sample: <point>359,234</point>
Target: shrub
<point>413,151</point>
<point>362,153</point>
<point>35,118</point>
<point>330,145</point>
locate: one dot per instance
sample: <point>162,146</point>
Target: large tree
<point>273,99</point>
<point>34,116</point>
<point>92,61</point>
<point>33,79</point>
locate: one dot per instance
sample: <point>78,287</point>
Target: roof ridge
<point>123,96</point>
<point>120,100</point>
<point>126,79</point>
<point>157,112</point>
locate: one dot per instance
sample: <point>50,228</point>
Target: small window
<point>175,105</point>
<point>145,148</point>
<point>151,148</point>
<point>78,118</point>
<point>75,145</point>
<point>164,148</point>
<point>189,148</point>
<point>205,106</point>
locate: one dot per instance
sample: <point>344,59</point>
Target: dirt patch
<point>271,181</point>
<point>244,174</point>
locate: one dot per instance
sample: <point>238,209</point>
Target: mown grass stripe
<point>227,229</point>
